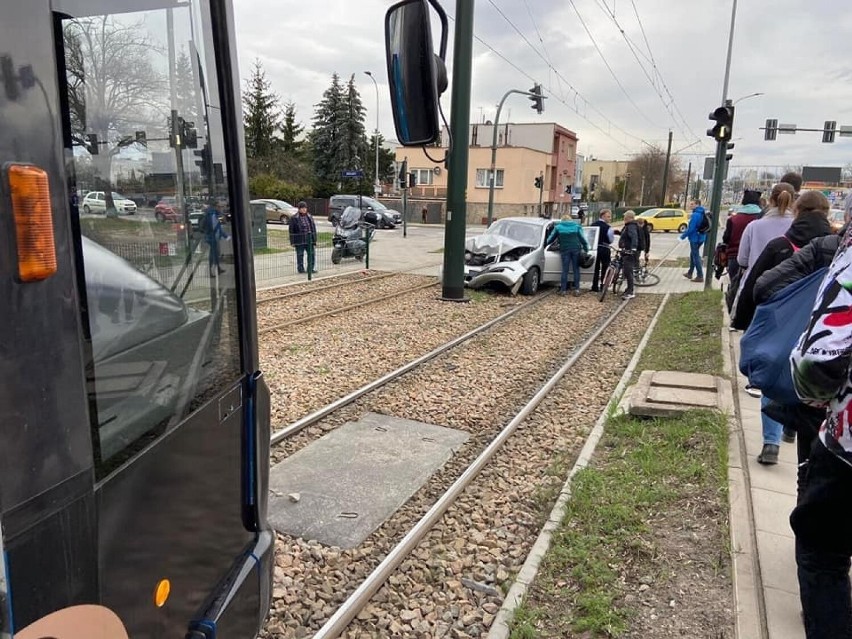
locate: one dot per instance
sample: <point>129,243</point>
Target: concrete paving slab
<point>754,444</point>
<point>669,393</point>
<point>772,511</point>
<point>774,550</point>
<point>767,478</point>
<point>339,489</point>
<point>783,615</point>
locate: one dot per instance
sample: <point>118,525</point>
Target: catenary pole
<point>456,223</point>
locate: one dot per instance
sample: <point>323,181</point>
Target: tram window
<point>163,334</point>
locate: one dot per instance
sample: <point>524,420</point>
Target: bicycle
<point>614,275</point>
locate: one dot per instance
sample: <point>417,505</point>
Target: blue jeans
<point>570,260</point>
<point>771,428</point>
<point>300,258</point>
<point>695,259</point>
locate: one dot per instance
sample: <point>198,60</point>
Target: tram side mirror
<point>416,76</point>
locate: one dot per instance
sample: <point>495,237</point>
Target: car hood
<point>492,244</point>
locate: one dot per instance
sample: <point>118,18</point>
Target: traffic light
<point>537,99</point>
<point>771,130</point>
<point>412,180</point>
<point>539,182</point>
<point>92,143</point>
<point>729,156</point>
<point>190,134</point>
<point>204,160</point>
<point>723,129</point>
<point>403,174</point>
<point>829,131</point>
<point>142,138</point>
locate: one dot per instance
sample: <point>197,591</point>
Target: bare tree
<point>649,165</point>
<point>114,88</point>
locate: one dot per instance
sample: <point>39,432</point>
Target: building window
<point>482,181</point>
<point>424,176</point>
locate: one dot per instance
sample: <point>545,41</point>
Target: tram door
<point>148,283</point>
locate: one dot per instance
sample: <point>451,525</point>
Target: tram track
<point>439,500</point>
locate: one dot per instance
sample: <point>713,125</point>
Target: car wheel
<point>284,219</point>
<point>681,228</point>
<point>86,209</point>
<point>160,217</point>
<point>650,227</point>
<point>531,281</point>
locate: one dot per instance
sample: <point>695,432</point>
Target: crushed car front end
<point>491,258</point>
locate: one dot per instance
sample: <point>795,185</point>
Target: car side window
<point>161,332</point>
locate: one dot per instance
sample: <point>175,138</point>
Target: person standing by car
<point>606,236</point>
<point>630,244</point>
<point>822,519</point>
<point>303,237</point>
<point>211,225</point>
<point>696,239</point>
<point>572,239</point>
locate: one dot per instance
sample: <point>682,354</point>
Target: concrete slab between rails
<point>671,393</point>
<point>340,488</point>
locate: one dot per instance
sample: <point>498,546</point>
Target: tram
<point>134,420</point>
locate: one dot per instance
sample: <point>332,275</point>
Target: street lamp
<point>746,97</point>
<point>377,186</point>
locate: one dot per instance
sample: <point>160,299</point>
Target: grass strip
<point>647,476</point>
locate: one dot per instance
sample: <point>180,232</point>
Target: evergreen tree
<point>262,115</point>
<point>185,89</point>
<point>353,130</point>
<point>326,137</point>
<point>386,162</point>
<point>290,130</point>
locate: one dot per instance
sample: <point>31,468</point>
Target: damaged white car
<point>512,252</point>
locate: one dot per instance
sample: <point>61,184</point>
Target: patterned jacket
<point>821,360</point>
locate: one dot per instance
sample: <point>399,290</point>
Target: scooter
<point>352,234</point>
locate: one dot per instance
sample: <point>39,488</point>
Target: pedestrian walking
<point>696,240</point>
<point>572,240</point>
<point>630,244</point>
<point>303,237</point>
<point>746,213</point>
<point>810,222</point>
<point>606,237</point>
<point>423,213</point>
<point>822,519</point>
<point>211,225</point>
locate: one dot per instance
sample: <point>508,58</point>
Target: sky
<point>619,73</point>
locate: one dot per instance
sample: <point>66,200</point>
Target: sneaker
<point>221,270</point>
<point>731,329</point>
<point>769,455</point>
<point>788,435</point>
<point>576,292</point>
<point>628,296</point>
<point>753,391</point>
<point>697,279</point>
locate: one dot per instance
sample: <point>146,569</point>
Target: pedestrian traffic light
<point>142,138</point>
<point>92,143</point>
<point>204,160</point>
<point>729,156</point>
<point>829,131</point>
<point>723,129</point>
<point>537,99</point>
<point>412,180</point>
<point>538,182</point>
<point>771,130</point>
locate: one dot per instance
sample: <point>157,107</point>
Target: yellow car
<point>666,219</point>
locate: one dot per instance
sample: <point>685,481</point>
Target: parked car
<point>95,202</point>
<point>513,253</point>
<point>387,218</point>
<point>277,210</point>
<point>167,210</point>
<point>666,219</point>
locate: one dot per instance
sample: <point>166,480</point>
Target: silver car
<point>513,252</point>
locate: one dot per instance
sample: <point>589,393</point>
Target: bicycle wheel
<point>617,281</point>
<point>650,279</point>
<point>607,280</point>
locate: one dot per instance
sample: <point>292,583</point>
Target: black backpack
<point>704,226</point>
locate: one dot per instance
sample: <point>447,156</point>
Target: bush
<point>264,185</point>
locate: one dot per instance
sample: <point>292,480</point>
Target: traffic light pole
<point>540,194</point>
<point>454,235</point>
<point>715,207</point>
<point>492,174</point>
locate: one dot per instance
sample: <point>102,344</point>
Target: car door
<point>552,258</point>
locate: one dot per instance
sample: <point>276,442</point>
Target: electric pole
<point>454,236</point>
<point>666,172</point>
<point>686,189</point>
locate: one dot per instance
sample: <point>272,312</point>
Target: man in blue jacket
<point>696,239</point>
<point>572,239</point>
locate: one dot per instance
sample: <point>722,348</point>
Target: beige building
<point>524,152</point>
<point>604,173</point>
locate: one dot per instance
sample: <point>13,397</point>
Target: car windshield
<point>518,231</point>
<point>118,196</point>
<point>649,213</point>
<point>368,201</point>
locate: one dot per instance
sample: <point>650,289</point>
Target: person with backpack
<point>696,233</point>
<point>748,212</point>
<point>822,519</point>
<point>572,239</point>
<point>810,222</point>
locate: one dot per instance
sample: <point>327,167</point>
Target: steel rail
<point>327,287</point>
<point>326,410</point>
<point>376,579</point>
